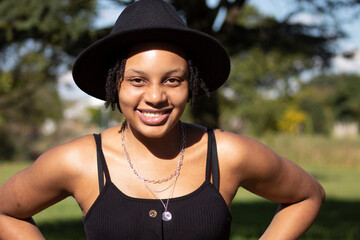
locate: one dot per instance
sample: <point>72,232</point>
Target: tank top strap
<point>101,163</point>
<point>212,165</point>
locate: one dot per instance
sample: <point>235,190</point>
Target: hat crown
<point>148,14</point>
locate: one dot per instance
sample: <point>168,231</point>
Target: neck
<point>166,147</point>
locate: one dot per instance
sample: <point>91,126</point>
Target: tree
<point>38,39</point>
<point>63,24</point>
<point>313,101</point>
<point>340,92</point>
<point>28,97</point>
<point>246,33</point>
<point>54,32</point>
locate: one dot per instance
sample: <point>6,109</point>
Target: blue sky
<point>350,25</point>
<point>279,8</point>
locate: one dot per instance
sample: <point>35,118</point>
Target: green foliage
<point>319,117</point>
<point>104,117</point>
<point>329,98</point>
<point>346,98</point>
<point>34,38</point>
<point>54,22</point>
<point>40,40</point>
<point>270,71</point>
<point>264,79</point>
<point>260,87</point>
<point>28,96</point>
<point>263,85</point>
<point>267,54</point>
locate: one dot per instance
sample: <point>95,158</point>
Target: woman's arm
<point>27,193</point>
<point>300,197</point>
<point>261,171</point>
<point>50,179</point>
<point>18,229</point>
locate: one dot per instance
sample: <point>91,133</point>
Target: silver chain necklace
<point>166,215</point>
<point>132,164</point>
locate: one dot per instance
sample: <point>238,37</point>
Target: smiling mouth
<point>153,114</point>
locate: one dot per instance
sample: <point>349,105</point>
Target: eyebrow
<point>176,70</point>
<point>167,73</point>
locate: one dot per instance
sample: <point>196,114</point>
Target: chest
<point>202,214</point>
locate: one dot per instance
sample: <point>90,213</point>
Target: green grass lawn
<point>339,217</point>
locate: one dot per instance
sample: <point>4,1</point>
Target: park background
<point>294,85</point>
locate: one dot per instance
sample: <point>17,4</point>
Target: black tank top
<point>200,215</point>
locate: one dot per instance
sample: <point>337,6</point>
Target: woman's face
<point>154,90</point>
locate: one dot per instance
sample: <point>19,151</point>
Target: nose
<point>155,95</point>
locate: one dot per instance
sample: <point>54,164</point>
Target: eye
<point>137,82</point>
<point>173,82</point>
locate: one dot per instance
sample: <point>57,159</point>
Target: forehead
<point>151,46</point>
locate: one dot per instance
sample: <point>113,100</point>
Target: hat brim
<point>91,67</point>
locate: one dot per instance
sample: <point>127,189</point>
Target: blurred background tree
<point>40,39</point>
<point>330,98</point>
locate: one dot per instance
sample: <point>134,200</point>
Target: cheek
<point>127,98</point>
<point>180,97</point>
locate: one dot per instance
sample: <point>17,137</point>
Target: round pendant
<point>166,216</point>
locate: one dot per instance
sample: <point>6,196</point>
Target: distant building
<point>346,130</point>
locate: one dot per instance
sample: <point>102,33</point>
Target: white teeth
<point>152,114</point>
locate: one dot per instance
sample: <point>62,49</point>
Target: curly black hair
<point>197,86</point>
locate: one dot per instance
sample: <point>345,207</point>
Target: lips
<point>153,117</point>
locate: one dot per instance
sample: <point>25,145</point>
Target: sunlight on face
<point>154,90</point>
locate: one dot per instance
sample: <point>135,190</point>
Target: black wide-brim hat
<point>149,20</point>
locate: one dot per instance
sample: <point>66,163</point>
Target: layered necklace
<point>166,215</point>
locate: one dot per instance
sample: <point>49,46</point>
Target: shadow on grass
<point>337,220</point>
<point>63,230</point>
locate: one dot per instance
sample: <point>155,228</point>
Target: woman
<point>155,177</point>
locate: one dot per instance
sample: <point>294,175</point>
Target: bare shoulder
<point>72,152</point>
<point>240,147</point>
<point>66,162</point>
<point>55,175</point>
<point>244,156</point>
<point>231,147</point>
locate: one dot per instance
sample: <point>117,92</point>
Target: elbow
<point>318,195</point>
<point>322,194</point>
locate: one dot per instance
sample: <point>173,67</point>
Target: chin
<point>155,131</point>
